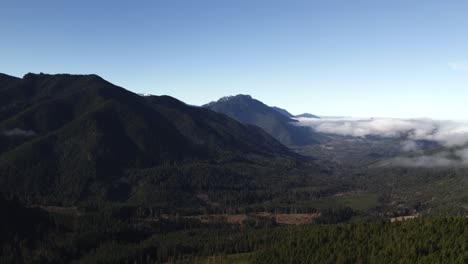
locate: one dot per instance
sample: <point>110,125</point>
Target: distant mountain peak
<point>231,97</point>
<point>307,115</point>
<point>145,94</point>
<point>249,110</point>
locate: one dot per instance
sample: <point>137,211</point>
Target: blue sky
<point>354,58</point>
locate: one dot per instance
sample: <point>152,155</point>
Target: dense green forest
<point>109,235</point>
<point>424,240</point>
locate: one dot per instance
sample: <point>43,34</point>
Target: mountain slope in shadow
<point>248,110</point>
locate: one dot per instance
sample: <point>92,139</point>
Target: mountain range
<point>79,139</point>
<point>68,138</point>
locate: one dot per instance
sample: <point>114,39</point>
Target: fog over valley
<point>451,135</point>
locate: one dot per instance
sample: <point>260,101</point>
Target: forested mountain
<point>248,110</point>
<point>68,138</point>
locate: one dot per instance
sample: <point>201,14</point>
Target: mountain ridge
<point>248,110</point>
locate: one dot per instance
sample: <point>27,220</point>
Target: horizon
<point>329,58</point>
<point>323,117</point>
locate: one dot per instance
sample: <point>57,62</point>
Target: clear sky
<point>390,58</point>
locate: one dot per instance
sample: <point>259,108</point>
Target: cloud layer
<point>457,158</point>
<point>444,132</point>
<point>450,134</point>
<point>19,132</point>
<point>459,66</point>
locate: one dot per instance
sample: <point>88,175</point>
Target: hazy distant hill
<point>79,137</point>
<point>307,115</point>
<point>289,115</point>
<point>251,111</point>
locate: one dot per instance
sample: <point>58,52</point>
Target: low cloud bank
<point>445,132</point>
<point>450,134</point>
<point>457,158</point>
<point>19,132</point>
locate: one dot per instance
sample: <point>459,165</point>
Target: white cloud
<point>458,158</point>
<point>459,66</point>
<point>19,132</point>
<point>409,145</point>
<point>445,132</point>
<point>451,134</point>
